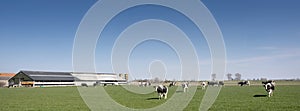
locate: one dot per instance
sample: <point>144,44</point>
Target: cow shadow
<point>179,91</point>
<point>260,95</point>
<point>152,98</point>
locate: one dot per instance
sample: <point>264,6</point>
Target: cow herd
<point>162,90</point>
<point>242,83</point>
<point>268,85</point>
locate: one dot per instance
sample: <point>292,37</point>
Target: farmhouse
<point>4,77</point>
<point>41,78</point>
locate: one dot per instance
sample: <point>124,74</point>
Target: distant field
<point>231,98</point>
<point>278,82</point>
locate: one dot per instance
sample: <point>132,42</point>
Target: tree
<point>229,76</point>
<point>238,76</point>
<point>213,77</point>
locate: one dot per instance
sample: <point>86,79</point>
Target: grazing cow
<point>242,83</point>
<point>203,84</point>
<point>216,83</point>
<point>269,87</point>
<point>162,91</point>
<point>212,83</point>
<point>185,86</point>
<point>145,84</point>
<point>221,83</point>
<point>172,84</point>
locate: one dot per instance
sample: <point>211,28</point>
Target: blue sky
<point>261,38</point>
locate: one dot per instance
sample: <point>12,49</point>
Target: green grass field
<point>231,98</point>
<point>140,100</point>
<point>51,99</point>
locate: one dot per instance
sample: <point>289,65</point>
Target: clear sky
<point>261,37</point>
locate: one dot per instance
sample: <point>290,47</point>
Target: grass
<point>231,98</point>
<point>45,99</point>
<point>254,98</point>
<point>196,100</point>
<point>141,101</point>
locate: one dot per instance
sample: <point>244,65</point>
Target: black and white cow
<point>216,83</point>
<point>162,91</point>
<point>203,84</point>
<point>242,83</point>
<point>185,86</point>
<point>269,87</point>
<point>172,84</point>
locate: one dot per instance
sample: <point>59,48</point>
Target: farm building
<point>100,78</point>
<point>41,78</point>
<point>4,77</point>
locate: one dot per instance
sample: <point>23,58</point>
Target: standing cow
<point>185,86</point>
<point>215,83</point>
<point>172,84</point>
<point>203,84</point>
<point>269,87</point>
<point>162,91</point>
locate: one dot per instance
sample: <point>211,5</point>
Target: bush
<point>84,84</point>
<point>2,84</point>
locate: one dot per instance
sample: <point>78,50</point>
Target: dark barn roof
<point>94,73</point>
<point>48,76</point>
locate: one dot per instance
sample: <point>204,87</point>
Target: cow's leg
<point>159,95</point>
<point>270,91</point>
<point>165,95</point>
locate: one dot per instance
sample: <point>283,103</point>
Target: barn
<point>41,78</point>
<point>44,79</point>
<point>99,78</point>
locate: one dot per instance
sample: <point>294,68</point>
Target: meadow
<point>231,98</point>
